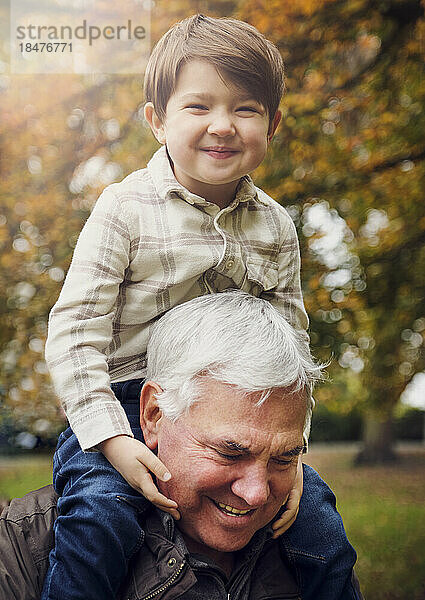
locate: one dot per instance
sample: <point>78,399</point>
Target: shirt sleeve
<point>287,297</point>
<point>80,325</point>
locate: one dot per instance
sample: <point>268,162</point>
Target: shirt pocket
<point>262,274</point>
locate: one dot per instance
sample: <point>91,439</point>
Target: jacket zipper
<point>210,573</point>
<point>166,585</point>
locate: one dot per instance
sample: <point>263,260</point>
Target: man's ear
<point>150,413</point>
<point>273,125</point>
<point>155,122</point>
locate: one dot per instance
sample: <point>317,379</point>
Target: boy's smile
<point>214,131</point>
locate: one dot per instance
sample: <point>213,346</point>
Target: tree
<point>348,164</point>
<point>347,161</point>
<point>63,138</point>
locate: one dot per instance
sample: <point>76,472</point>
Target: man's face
<point>233,464</point>
<point>215,132</point>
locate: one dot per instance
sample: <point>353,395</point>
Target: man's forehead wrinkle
<point>249,429</point>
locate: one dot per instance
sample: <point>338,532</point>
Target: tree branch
<point>391,255</point>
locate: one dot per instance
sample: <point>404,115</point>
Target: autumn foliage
<point>347,162</point>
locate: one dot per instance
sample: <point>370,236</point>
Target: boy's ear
<point>150,413</point>
<point>273,126</point>
<point>155,122</point>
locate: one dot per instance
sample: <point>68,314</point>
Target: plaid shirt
<point>148,245</point>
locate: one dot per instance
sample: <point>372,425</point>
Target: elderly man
<point>225,403</point>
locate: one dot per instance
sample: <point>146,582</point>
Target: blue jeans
<point>97,530</point>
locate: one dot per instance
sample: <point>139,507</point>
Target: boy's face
<point>214,131</point>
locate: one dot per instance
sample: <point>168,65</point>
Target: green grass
<point>19,475</point>
<point>382,507</point>
<point>384,514</point>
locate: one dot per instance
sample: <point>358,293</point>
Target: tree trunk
<point>377,441</point>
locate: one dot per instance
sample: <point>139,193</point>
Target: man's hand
<point>292,504</point>
<point>135,461</point>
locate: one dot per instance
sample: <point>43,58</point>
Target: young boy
<point>189,224</point>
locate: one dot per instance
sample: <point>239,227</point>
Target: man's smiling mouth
<point>231,511</point>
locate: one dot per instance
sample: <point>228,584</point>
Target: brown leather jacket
<point>26,538</point>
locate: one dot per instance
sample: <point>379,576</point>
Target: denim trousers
<point>97,529</point>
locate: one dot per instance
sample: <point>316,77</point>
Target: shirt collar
<point>167,185</point>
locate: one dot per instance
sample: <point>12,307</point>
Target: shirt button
<point>229,264</point>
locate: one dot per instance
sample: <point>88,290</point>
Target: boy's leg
<point>318,546</point>
<point>97,529</point>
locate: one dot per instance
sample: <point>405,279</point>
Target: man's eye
<point>283,462</point>
<point>228,456</point>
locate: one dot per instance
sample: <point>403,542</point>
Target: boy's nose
<point>221,125</point>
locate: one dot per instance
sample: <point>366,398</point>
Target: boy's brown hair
<point>236,49</point>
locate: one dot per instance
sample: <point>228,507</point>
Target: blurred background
<point>347,163</point>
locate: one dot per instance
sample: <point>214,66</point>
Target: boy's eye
<point>248,109</point>
<point>197,107</point>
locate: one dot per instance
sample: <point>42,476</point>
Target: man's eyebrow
<point>237,447</point>
<point>293,452</point>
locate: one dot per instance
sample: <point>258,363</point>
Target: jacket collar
<point>164,569</point>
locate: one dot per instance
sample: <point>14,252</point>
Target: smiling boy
<point>214,131</point>
<point>190,224</point>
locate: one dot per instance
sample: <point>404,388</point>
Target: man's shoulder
<point>26,538</point>
<point>34,515</point>
<point>36,503</point>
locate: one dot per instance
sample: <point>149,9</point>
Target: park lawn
<point>20,474</point>
<point>382,507</point>
<point>384,514</point>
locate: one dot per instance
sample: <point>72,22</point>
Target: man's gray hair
<point>231,337</point>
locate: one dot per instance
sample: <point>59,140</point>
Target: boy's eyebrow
<point>197,95</point>
<point>206,96</point>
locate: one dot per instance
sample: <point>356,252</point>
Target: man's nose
<point>252,485</point>
<point>221,124</point>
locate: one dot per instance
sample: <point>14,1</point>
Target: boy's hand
<point>292,504</point>
<point>134,461</point>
